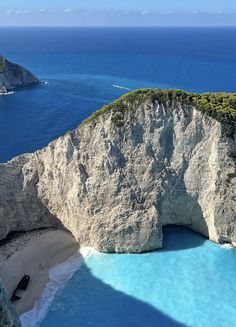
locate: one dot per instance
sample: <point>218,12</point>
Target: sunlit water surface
<point>87,68</point>
<point>191,282</point>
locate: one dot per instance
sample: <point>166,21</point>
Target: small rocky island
<point>152,158</point>
<point>13,76</point>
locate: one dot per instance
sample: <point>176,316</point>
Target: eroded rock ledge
<point>150,159</point>
<point>13,76</point>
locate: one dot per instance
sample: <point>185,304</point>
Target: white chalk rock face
<point>117,180</point>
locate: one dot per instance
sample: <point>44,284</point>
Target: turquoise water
<point>191,282</point>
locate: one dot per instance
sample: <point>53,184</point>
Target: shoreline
<point>58,276</point>
<point>34,253</point>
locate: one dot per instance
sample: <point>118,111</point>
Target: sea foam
<point>7,93</point>
<point>227,246</point>
<point>121,87</point>
<point>58,276</point>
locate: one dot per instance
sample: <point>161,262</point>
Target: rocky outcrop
<point>132,168</point>
<point>13,76</point>
<point>8,316</point>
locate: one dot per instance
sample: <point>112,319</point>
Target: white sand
<point>34,254</point>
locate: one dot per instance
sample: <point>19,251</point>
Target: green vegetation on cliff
<point>221,106</point>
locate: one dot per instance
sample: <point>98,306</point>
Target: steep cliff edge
<point>13,76</point>
<point>150,159</point>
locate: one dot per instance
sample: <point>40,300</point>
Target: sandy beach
<point>33,253</point>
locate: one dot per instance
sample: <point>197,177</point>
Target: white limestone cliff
<point>115,181</point>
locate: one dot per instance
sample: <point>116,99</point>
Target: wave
<point>121,87</point>
<point>7,93</point>
<point>58,276</point>
<point>227,246</point>
<point>44,82</point>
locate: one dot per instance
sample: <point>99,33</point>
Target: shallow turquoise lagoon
<point>191,282</point>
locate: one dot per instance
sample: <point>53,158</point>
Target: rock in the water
<point>13,76</point>
<point>148,160</point>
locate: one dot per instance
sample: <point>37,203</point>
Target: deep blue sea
<point>85,68</point>
<point>192,281</point>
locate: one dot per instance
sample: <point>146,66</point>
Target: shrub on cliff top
<point>221,106</point>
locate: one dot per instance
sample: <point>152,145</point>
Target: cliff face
<point>8,316</point>
<point>116,180</point>
<point>13,76</point>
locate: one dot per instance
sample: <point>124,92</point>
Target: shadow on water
<point>180,238</point>
<point>88,302</point>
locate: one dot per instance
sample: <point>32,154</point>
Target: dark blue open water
<point>192,281</point>
<point>82,66</point>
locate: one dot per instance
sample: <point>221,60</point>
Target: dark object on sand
<point>22,285</point>
<point>15,297</point>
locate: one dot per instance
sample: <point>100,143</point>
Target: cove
<point>190,282</point>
